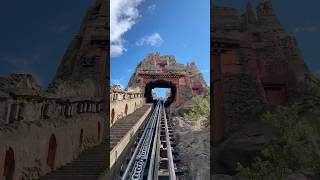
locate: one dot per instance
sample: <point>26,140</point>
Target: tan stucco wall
<point>119,107</point>
<point>31,142</point>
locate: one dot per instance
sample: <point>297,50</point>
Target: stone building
<point>124,102</point>
<point>41,131</point>
<point>160,71</point>
<point>256,66</point>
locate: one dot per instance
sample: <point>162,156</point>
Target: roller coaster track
<point>153,157</point>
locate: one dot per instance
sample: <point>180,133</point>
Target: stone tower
<point>84,61</point>
<point>47,130</point>
<point>257,66</point>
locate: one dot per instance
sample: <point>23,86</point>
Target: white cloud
<point>151,40</point>
<point>307,29</point>
<point>117,49</point>
<point>123,15</point>
<point>151,8</point>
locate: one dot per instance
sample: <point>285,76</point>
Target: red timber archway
<point>9,164</point>
<point>52,150</point>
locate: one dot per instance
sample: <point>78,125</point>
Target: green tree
<point>200,109</point>
<point>297,148</point>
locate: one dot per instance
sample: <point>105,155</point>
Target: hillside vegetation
<point>297,149</point>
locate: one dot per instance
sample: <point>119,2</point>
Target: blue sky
<point>300,19</point>
<point>35,34</point>
<point>161,92</point>
<point>171,27</point>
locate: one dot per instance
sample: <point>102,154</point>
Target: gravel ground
<point>193,145</point>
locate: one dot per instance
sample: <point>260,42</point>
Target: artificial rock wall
<point>257,66</point>
<point>41,131</point>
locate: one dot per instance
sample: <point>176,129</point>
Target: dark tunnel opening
<point>160,84</point>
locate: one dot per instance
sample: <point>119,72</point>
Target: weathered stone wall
<point>261,65</point>
<point>29,117</point>
<point>123,103</point>
<point>68,115</point>
<point>30,143</point>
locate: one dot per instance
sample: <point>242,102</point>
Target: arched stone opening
<point>81,138</point>
<point>126,110</point>
<point>112,115</point>
<point>160,84</point>
<point>99,130</point>
<point>13,112</point>
<point>52,150</point>
<point>9,164</point>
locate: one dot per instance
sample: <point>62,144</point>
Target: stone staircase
<point>91,163</point>
<point>88,166</point>
<point>123,125</point>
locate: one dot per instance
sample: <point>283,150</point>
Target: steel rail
<point>143,163</point>
<point>171,169</point>
<point>129,168</point>
<point>154,147</point>
<point>143,156</point>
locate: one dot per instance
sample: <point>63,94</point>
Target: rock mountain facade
<point>41,131</point>
<point>161,71</point>
<point>256,66</point>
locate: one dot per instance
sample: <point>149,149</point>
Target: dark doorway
<point>99,130</point>
<point>12,117</point>
<point>112,116</point>
<point>52,151</point>
<point>81,138</point>
<point>9,164</point>
<point>126,110</point>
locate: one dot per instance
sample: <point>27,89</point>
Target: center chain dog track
<point>153,157</point>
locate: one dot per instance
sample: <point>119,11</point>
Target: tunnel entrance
<point>161,92</point>
<point>160,84</point>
